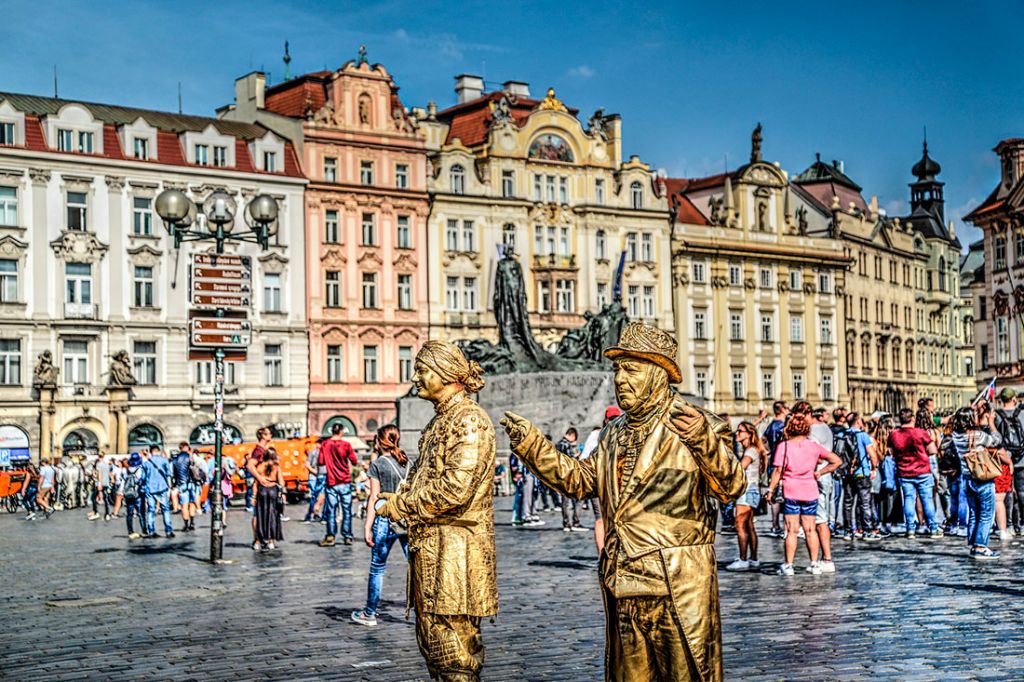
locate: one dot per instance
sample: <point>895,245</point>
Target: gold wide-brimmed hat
<point>644,342</point>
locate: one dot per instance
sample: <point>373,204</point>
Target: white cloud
<point>581,71</point>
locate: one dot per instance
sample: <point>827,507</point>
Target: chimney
<point>517,88</point>
<point>838,165</point>
<point>468,87</point>
<point>249,91</point>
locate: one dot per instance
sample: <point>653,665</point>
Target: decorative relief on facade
<point>12,248</point>
<point>680,279</point>
<point>369,256</point>
<point>145,255</point>
<point>115,183</point>
<point>405,262</point>
<point>11,175</point>
<point>73,245</point>
<point>333,258</point>
<point>78,182</point>
<point>39,176</point>
<point>749,284</point>
<point>273,263</point>
<point>810,288</point>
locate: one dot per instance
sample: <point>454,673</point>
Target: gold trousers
<point>451,646</point>
<point>652,647</point>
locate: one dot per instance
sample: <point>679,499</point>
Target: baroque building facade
<point>758,289</point>
<point>88,271</point>
<point>366,236</point>
<point>508,171</point>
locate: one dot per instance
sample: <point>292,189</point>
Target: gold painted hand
<point>516,427</point>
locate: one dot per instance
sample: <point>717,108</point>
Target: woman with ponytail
<point>387,471</point>
<point>796,462</point>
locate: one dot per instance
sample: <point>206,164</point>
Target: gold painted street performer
<point>654,469</point>
<point>448,506</point>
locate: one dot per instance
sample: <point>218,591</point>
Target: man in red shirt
<point>911,448</point>
<point>337,456</point>
<point>263,436</point>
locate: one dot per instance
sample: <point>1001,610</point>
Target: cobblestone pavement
<point>82,602</point>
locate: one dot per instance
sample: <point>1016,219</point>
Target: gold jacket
<point>659,527</point>
<point>448,504</point>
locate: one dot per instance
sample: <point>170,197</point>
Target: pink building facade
<point>366,216</point>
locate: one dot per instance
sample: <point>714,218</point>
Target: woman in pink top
<point>796,461</point>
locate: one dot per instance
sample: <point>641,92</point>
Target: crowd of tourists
<point>844,475</point>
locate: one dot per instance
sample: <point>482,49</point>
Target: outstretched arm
<point>708,439</point>
<point>567,475</point>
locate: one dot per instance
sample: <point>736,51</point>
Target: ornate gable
<point>79,246</point>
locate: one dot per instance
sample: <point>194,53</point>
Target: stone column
<point>44,302</point>
<point>46,412</point>
<point>118,422</point>
<point>118,277</point>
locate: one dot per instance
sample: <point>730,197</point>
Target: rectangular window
<point>451,293</point>
<point>1002,341</point>
<point>370,375</point>
<point>633,301</point>
<point>765,275</point>
<point>768,386</point>
<point>798,385</point>
<point>85,142</point>
<point>77,211</point>
<point>332,289</point>
<point>550,185</point>
<point>826,330</point>
<point>735,326</point>
<point>143,287</point>
<point>648,302</point>
<point>796,328</point>
<point>565,296</point>
<point>140,148</point>
<point>334,364</point>
<point>767,326</point>
<point>551,241</point>
<point>795,280</point>
<point>601,245</point>
<point>538,240</point>
<point>825,283</point>
<point>273,360</point>
<point>8,281</point>
<point>536,187</point>
<point>7,134</point>
<point>405,363</point>
<point>330,169</point>
<point>545,297</point>
<point>401,176</point>
<point>451,236</point>
<point>10,362</point>
<point>735,275</point>
<point>76,362</point>
<point>469,294</point>
<point>403,236</point>
<point>602,294</point>
<point>369,229</point>
<point>508,183</point>
<point>984,356</point>
<point>631,247</point>
<point>563,190</point>
<point>65,141</point>
<point>205,377</point>
<point>270,162</point>
<point>739,388</point>
<point>332,233</point>
<point>405,292</point>
<point>220,156</point>
<point>699,272</point>
<point>599,191</point>
<point>563,242</point>
<point>144,362</point>
<point>366,172</point>
<point>700,381</point>
<point>468,236</point>
<point>142,216</point>
<point>647,247</point>
<point>700,325</point>
<point>370,290</point>
<point>9,206</point>
<point>272,292</point>
<point>826,387</point>
<point>202,154</point>
<point>79,282</point>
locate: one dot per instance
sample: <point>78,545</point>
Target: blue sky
<point>857,83</point>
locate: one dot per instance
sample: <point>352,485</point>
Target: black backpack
<point>1010,429</point>
<point>844,444</point>
<point>131,486</point>
<point>949,458</point>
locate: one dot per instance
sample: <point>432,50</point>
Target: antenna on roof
<point>287,62</point>
<point>179,97</point>
<point>55,96</point>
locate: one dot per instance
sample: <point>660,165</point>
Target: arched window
<point>942,273</point>
<point>205,434</point>
<point>602,245</point>
<point>144,435</point>
<point>348,427</point>
<point>636,192</point>
<point>458,179</point>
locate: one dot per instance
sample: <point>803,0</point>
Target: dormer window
<point>220,156</point>
<point>65,141</point>
<point>270,162</point>
<point>457,176</point>
<point>140,148</point>
<point>7,134</point>
<point>85,142</point>
<point>636,191</point>
<point>202,154</point>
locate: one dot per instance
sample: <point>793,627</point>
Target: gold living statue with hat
<point>654,469</point>
<point>447,503</point>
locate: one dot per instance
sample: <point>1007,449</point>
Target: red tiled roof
<point>686,211</point>
<point>988,206</point>
<point>243,161</point>
<point>168,148</point>
<point>694,184</point>
<point>294,97</point>
<point>291,162</point>
<point>112,143</point>
<point>471,121</point>
<point>823,192</point>
<point>34,138</point>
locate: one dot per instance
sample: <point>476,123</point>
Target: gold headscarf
<point>448,362</point>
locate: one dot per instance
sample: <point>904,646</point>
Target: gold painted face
<point>634,383</point>
<point>429,385</point>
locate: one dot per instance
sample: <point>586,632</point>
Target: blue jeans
<point>164,499</point>
<point>340,494</point>
<point>958,510</point>
<point>250,492</point>
<point>913,486</point>
<point>517,502</point>
<point>132,509</point>
<point>316,486</point>
<point>981,498</point>
<point>383,539</point>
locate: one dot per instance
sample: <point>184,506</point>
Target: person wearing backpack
<point>187,494</point>
<point>157,485</point>
<point>1010,425</point>
<point>857,481</point>
<point>130,492</point>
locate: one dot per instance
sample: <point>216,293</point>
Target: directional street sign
<point>220,282</point>
<point>220,332</point>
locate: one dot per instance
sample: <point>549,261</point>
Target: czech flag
<point>988,393</point>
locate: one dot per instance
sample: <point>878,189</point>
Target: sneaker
<point>518,524</point>
<point>327,541</point>
<point>30,516</point>
<point>984,554</point>
<point>285,518</point>
<point>873,536</point>
<point>347,541</point>
<point>776,533</point>
<point>134,536</point>
<point>169,535</point>
<point>580,529</point>
<point>739,565</point>
<point>800,533</point>
<point>364,618</point>
<point>827,566</point>
<point>566,529</point>
<point>858,535</point>
<point>911,535</point>
<point>937,533</point>
<point>48,513</point>
<point>885,533</point>
<point>307,520</point>
<point>1005,535</point>
<point>535,521</point>
<point>93,516</point>
<point>786,569</point>
<point>106,517</point>
<point>961,532</point>
<point>754,564</point>
<point>814,568</point>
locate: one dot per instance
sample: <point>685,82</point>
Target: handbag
<point>279,502</point>
<point>778,494</point>
<point>982,463</point>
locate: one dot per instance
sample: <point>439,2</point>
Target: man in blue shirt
<point>156,480</point>
<point>188,494</point>
<point>772,437</point>
<point>857,483</point>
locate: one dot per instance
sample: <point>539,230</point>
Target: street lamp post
<point>180,214</point>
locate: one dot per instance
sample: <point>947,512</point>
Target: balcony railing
<point>81,311</point>
<point>556,262</point>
